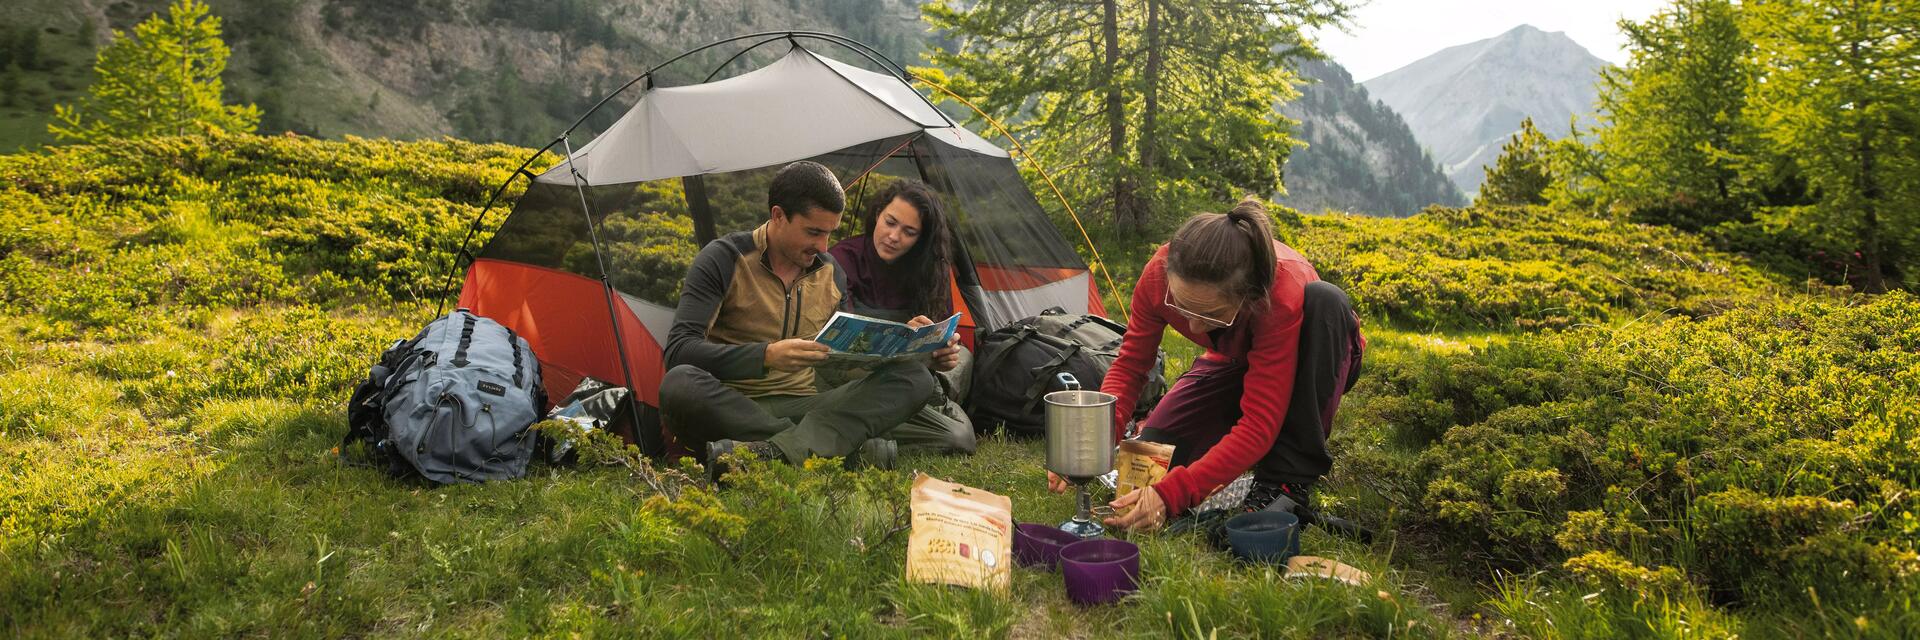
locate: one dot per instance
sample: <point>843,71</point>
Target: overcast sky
<point>1388,34</point>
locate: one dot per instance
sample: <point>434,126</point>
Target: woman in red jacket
<point>1281,348</point>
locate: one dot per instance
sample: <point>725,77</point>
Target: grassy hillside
<point>1567,428</point>
<point>44,61</point>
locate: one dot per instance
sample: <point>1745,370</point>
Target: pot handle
<point>1067,381</point>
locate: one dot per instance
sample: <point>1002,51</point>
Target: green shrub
<point>96,237</point>
<point>1521,267</point>
<point>1611,597</point>
<point>1755,450</point>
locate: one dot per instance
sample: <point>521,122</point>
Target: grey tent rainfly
<point>588,265</point>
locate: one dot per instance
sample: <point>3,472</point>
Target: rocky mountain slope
<point>496,70</point>
<point>1360,156</point>
<point>488,70</point>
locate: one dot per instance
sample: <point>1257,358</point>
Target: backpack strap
<point>994,359</point>
<point>1023,334</point>
<point>364,419</point>
<point>466,339</point>
<point>1110,324</point>
<point>1120,331</point>
<point>1046,371</point>
<point>515,341</point>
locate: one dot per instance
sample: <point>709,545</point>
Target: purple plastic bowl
<point>1036,544</point>
<point>1101,570</point>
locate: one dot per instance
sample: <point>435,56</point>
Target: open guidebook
<point>861,341</point>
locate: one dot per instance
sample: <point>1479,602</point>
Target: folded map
<point>863,341</point>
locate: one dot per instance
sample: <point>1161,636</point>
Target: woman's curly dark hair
<point>926,268</point>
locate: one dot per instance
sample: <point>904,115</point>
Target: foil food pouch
<point>1140,464</point>
<point>961,536</point>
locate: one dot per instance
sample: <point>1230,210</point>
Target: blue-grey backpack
<point>453,404</point>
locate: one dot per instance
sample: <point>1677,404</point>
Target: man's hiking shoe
<point>875,453</point>
<point>716,449</point>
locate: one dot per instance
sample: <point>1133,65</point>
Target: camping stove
<point>1080,444</point>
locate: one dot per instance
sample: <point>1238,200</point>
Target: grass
<point>181,486</point>
<point>182,319</point>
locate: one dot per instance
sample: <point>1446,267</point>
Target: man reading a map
<point>740,353</point>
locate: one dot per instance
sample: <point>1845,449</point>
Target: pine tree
<point>1579,171</point>
<point>162,80</point>
<point>23,49</point>
<point>1141,105</point>
<point>1523,173</point>
<point>1837,90</point>
<point>1675,139</point>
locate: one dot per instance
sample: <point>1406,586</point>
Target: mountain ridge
<point>484,70</point>
<point>1360,157</point>
<point>488,70</point>
<point>1463,101</point>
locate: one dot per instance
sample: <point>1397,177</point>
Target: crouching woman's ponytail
<point>1232,251</point>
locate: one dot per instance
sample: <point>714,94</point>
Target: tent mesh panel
<point>648,229</point>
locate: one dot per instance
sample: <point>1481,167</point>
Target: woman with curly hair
<point>901,269</point>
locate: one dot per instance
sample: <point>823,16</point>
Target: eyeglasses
<point>1209,320</point>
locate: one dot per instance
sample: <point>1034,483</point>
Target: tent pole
<point>606,286</point>
<point>1104,271</point>
<point>701,209</point>
<point>883,158</point>
<point>749,49</point>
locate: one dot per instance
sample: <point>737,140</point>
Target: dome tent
<point>587,267</point>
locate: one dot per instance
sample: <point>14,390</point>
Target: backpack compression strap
<point>1015,337</point>
<point>1036,390</point>
<point>364,418</point>
<point>515,341</point>
<point>466,338</point>
<point>1067,331</point>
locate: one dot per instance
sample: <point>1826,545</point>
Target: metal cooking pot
<point>1079,431</point>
